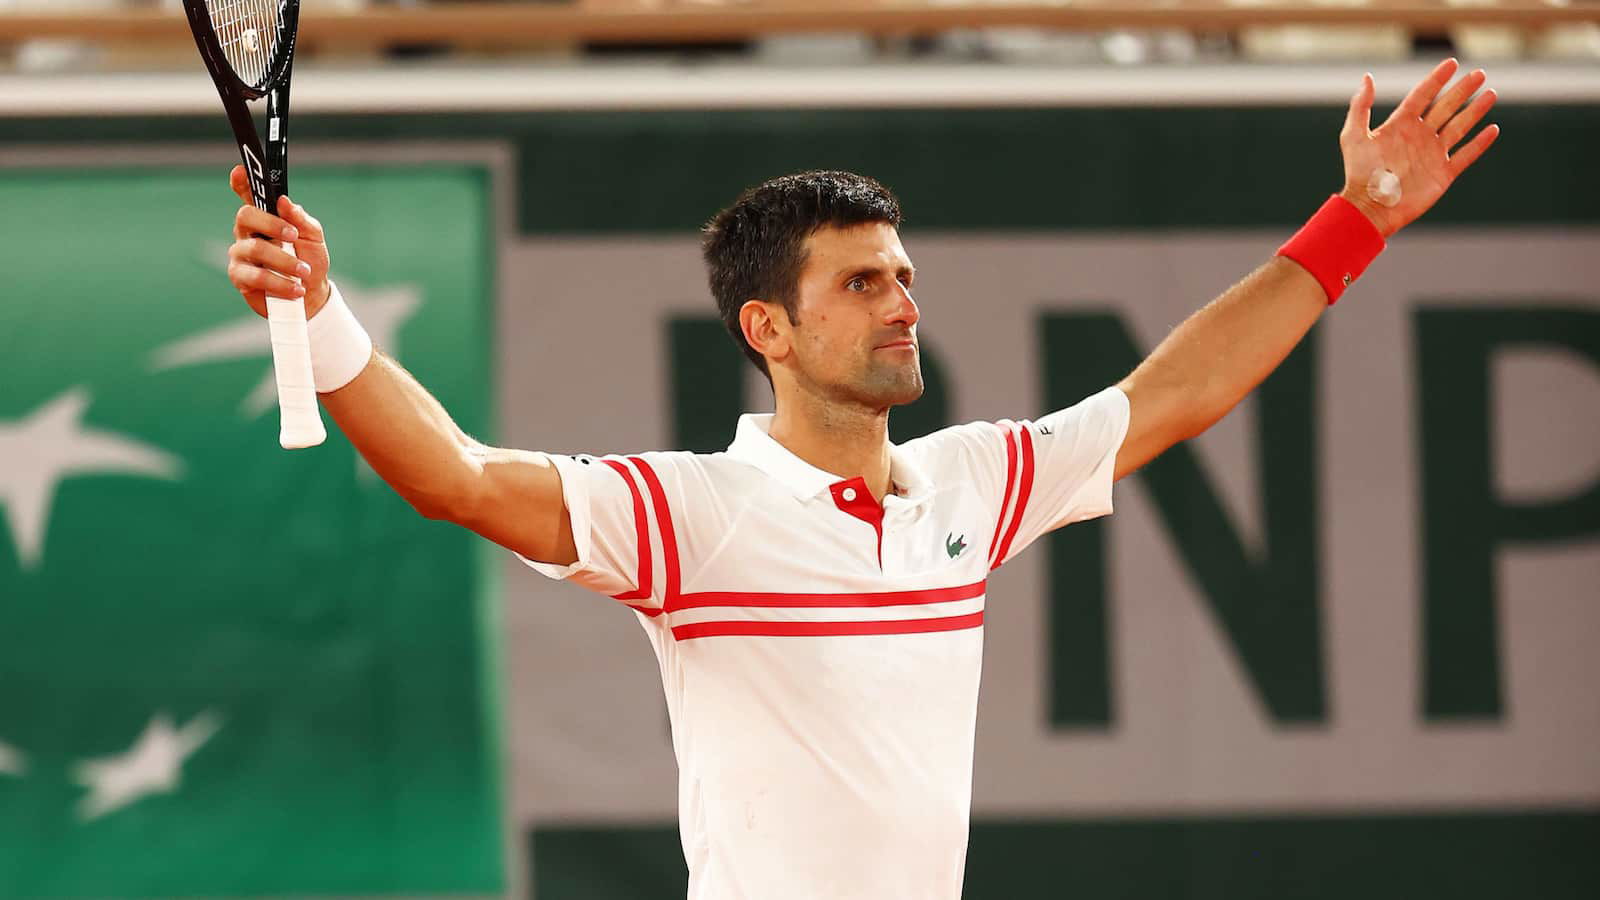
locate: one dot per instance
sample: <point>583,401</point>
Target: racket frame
<point>266,167</point>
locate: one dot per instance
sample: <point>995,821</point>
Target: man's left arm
<point>1392,175</point>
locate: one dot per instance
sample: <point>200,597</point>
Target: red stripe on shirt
<point>812,601</point>
<point>825,629</point>
<point>669,539</point>
<point>1005,504</point>
<point>1022,499</point>
<point>641,527</point>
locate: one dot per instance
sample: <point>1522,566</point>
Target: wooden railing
<point>497,25</point>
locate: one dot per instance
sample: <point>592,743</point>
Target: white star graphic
<point>12,762</point>
<point>382,311</point>
<point>50,444</point>
<point>152,765</point>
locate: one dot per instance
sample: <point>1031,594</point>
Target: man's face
<point>856,340</point>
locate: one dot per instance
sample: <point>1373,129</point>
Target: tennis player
<point>815,594</point>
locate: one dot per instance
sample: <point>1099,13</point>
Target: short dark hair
<point>755,248</point>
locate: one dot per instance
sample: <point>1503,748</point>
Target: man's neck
<point>843,440</point>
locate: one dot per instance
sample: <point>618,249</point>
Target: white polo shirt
<point>820,654</point>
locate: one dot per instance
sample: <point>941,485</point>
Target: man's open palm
<point>1415,143</point>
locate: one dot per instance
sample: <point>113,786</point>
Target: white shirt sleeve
<point>1074,456</point>
<point>1038,476</point>
<point>607,501</point>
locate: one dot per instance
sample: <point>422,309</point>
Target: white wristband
<point>340,347</point>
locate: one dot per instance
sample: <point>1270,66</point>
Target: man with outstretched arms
<point>815,594</point>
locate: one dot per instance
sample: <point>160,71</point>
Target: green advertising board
<point>227,669</point>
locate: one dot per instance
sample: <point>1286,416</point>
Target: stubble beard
<point>883,385</point>
<point>874,386</point>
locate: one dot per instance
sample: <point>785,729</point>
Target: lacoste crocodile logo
<point>955,546</point>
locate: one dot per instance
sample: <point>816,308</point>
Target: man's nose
<point>904,312</point>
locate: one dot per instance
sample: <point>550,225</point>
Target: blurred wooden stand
<point>347,25</point>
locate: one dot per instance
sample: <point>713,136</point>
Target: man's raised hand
<point>258,267</point>
<point>1415,143</point>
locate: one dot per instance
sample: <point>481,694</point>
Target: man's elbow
<point>456,502</point>
<point>1182,413</point>
<point>433,508</point>
<point>439,509</point>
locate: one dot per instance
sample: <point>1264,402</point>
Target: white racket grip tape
<point>301,420</point>
<point>291,362</point>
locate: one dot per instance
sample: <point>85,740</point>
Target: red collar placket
<point>852,496</point>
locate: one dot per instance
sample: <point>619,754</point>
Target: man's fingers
<point>269,255</point>
<point>252,221</point>
<point>1359,119</point>
<point>295,214</point>
<point>247,277</point>
<point>1426,89</point>
<point>1467,119</point>
<point>1449,103</point>
<point>240,184</point>
<point>1469,154</point>
<point>293,223</point>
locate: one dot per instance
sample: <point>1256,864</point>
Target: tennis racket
<point>248,46</point>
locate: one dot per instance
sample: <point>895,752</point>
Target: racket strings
<point>249,32</point>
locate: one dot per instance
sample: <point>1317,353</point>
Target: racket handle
<point>301,422</point>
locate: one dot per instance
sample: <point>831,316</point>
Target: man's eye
<point>856,284</point>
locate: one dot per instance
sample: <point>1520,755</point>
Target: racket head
<point>246,43</point>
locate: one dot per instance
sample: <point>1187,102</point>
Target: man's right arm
<point>511,497</point>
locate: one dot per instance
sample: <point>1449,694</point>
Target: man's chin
<point>899,389</point>
<point>910,395</point>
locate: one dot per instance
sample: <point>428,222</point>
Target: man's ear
<point>766,328</point>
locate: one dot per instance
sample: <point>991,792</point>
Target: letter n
<point>1266,602</point>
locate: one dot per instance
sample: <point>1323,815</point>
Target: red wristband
<point>1336,245</point>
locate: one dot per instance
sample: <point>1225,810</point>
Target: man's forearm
<point>406,436</point>
<point>511,497</point>
<point>1218,355</point>
<point>1393,174</point>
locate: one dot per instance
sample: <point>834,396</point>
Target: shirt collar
<point>753,443</point>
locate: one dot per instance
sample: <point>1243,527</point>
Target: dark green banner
<point>1391,857</point>
<point>227,669</point>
